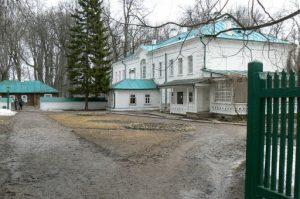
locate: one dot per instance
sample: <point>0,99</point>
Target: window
<point>171,65</point>
<point>124,74</point>
<point>147,99</point>
<point>180,66</point>
<point>160,69</point>
<point>153,70</point>
<point>132,99</point>
<point>120,75</point>
<point>172,97</point>
<point>132,73</point>
<point>190,96</point>
<point>143,69</point>
<point>116,76</point>
<point>190,64</point>
<point>179,97</point>
<point>223,91</point>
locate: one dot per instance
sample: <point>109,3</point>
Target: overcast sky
<point>169,10</point>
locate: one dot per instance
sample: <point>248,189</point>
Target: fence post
<point>252,150</point>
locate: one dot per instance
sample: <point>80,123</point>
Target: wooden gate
<point>273,135</point>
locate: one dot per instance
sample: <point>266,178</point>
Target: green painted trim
<point>64,99</point>
<point>4,99</point>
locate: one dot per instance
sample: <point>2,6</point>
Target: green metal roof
<point>214,28</point>
<point>186,82</point>
<point>25,87</point>
<point>135,84</point>
<point>227,72</point>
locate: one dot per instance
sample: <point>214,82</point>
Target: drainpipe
<point>125,69</point>
<point>166,80</point>
<point>204,56</point>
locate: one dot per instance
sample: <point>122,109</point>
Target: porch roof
<point>135,84</point>
<point>227,72</point>
<point>186,82</point>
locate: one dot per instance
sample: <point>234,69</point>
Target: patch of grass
<point>74,120</point>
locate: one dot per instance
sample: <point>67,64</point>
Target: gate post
<point>252,150</point>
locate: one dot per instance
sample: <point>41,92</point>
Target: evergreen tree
<point>88,60</point>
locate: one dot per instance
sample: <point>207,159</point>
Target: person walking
<point>21,104</point>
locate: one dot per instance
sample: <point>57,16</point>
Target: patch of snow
<point>5,112</point>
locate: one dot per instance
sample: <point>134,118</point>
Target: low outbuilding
<point>29,91</point>
<point>134,94</point>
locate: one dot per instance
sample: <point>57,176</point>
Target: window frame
<point>224,91</point>
<point>147,99</point>
<point>132,97</point>
<point>191,97</point>
<point>171,64</point>
<point>160,69</point>
<point>143,69</point>
<point>190,64</point>
<point>180,66</point>
<point>180,99</point>
<point>153,70</point>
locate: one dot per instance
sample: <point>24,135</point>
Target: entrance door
<point>203,99</point>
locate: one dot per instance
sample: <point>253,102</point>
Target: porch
<point>229,96</point>
<point>192,95</point>
<point>224,96</point>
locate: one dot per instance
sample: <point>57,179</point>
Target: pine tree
<point>88,60</point>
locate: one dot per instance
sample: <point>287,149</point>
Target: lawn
<point>125,136</point>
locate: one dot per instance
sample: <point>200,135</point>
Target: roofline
<point>207,36</point>
<point>11,92</point>
<point>127,89</point>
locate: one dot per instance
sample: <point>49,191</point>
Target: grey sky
<point>169,10</point>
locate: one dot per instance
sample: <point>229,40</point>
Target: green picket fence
<point>273,135</point>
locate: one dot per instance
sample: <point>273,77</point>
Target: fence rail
<point>273,135</point>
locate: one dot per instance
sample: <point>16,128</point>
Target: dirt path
<point>42,159</point>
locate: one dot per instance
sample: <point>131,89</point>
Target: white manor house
<point>195,71</point>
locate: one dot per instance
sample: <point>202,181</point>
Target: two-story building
<point>195,71</point>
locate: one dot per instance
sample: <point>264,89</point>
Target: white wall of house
<point>226,54</point>
<point>122,98</point>
<point>222,54</point>
<point>51,106</point>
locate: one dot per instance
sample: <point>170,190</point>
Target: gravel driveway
<point>42,159</point>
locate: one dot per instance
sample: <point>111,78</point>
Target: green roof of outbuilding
<point>135,84</point>
<point>25,87</point>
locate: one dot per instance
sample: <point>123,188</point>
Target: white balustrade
<point>228,108</point>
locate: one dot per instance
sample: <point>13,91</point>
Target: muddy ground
<point>111,156</point>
